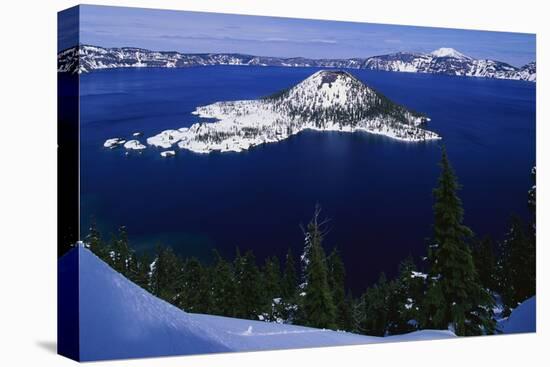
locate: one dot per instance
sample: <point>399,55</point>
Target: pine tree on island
<point>454,298</point>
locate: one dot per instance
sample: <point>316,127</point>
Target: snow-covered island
<point>168,153</point>
<point>113,143</point>
<point>134,145</point>
<point>326,101</point>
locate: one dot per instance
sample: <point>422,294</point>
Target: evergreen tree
<point>250,298</point>
<point>376,304</point>
<point>289,289</point>
<point>191,294</point>
<point>166,275</point>
<point>454,299</point>
<point>95,243</point>
<point>318,307</point>
<point>409,292</point>
<point>272,277</point>
<point>336,278</point>
<point>272,289</point>
<point>485,262</point>
<point>120,253</point>
<point>348,320</point>
<point>223,288</point>
<point>139,270</point>
<point>290,278</point>
<point>204,292</point>
<point>517,265</point>
<point>532,202</point>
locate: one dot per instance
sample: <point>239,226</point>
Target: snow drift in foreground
<point>522,320</point>
<point>118,319</point>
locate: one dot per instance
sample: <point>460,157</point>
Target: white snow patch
<point>113,142</point>
<point>168,153</point>
<point>134,145</point>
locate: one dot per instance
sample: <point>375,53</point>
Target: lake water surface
<point>376,191</point>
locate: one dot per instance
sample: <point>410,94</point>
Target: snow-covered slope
<point>523,319</point>
<point>328,100</point>
<point>118,319</point>
<point>86,58</point>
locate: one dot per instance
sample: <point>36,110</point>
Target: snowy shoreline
<point>326,101</point>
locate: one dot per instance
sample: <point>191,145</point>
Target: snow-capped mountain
<point>114,318</point>
<point>86,58</point>
<point>449,52</point>
<point>328,100</point>
<point>450,62</point>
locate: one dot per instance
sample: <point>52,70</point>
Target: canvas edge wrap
<point>68,172</point>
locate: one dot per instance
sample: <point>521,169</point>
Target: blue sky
<point>269,36</point>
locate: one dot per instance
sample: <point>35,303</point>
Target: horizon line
<point>286,57</point>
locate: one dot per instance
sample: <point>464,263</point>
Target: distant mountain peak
<point>449,52</point>
<point>446,60</point>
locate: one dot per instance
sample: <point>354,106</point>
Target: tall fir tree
<point>224,288</point>
<point>289,289</point>
<point>532,202</point>
<point>454,299</point>
<point>95,243</point>
<point>166,274</point>
<point>290,278</point>
<point>337,278</point>
<point>250,300</point>
<point>139,270</point>
<point>376,305</point>
<point>120,251</point>
<point>191,296</point>
<point>272,289</point>
<point>272,277</point>
<point>409,292</point>
<point>204,292</point>
<point>485,261</point>
<point>317,305</point>
<point>349,320</point>
<point>517,265</point>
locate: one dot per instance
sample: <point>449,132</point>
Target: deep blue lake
<point>376,191</point>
